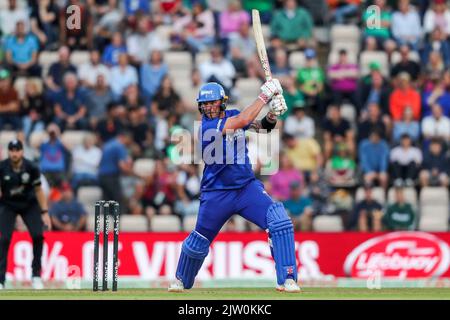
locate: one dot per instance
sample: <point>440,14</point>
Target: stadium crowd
<point>346,128</point>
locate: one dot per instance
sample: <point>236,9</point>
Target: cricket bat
<point>260,46</point>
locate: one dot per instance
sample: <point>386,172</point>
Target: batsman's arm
<point>243,119</point>
<point>264,125</point>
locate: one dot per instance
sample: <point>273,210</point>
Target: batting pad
<point>281,233</point>
<point>193,251</point>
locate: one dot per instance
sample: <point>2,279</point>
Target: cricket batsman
<point>229,186</point>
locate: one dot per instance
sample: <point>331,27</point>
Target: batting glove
<point>269,89</point>
<point>278,105</point>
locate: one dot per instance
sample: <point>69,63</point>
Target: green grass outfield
<point>232,293</point>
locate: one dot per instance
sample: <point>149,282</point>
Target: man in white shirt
<point>436,125</point>
<point>299,124</point>
<point>405,161</point>
<point>218,69</point>
<point>10,16</point>
<point>122,75</point>
<point>406,26</point>
<point>85,160</point>
<point>88,72</point>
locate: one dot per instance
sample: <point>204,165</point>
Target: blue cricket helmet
<point>211,91</point>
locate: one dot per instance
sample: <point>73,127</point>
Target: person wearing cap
<point>311,81</point>
<point>68,214</point>
<point>9,102</point>
<point>404,96</point>
<point>21,193</point>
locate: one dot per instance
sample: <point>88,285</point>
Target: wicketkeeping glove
<point>278,105</point>
<point>269,89</point>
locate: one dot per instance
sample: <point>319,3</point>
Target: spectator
<point>160,190</point>
<point>44,22</point>
<point>343,77</point>
<point>293,97</point>
<point>299,124</point>
<point>218,69</point>
<point>108,17</point>
<point>435,66</point>
<point>54,157</point>
<point>76,35</point>
<point>305,154</point>
<point>169,8</point>
<point>436,125</point>
<point>406,27</point>
<point>293,25</point>
<point>265,8</point>
<point>436,166</point>
<point>167,101</point>
<point>197,29</point>
<point>188,191</point>
<point>373,121</point>
<point>342,9</point>
<point>319,192</point>
<point>151,74</point>
<point>438,93</point>
<point>134,9</point>
<point>399,215</point>
<point>406,126</point>
<point>22,51</point>
<point>9,102</point>
<point>97,100</point>
<point>436,43</point>
<point>122,76</point>
<point>68,214</point>
<point>374,89</point>
<point>299,206</point>
<point>311,80</point>
<point>373,159</point>
<point>70,105</point>
<point>88,72</point>
<point>280,67</point>
<point>231,20</point>
<point>131,99</point>
<point>405,64</point>
<point>335,130</point>
<point>242,46</point>
<point>10,16</point>
<point>382,33</point>
<point>281,180</point>
<point>341,167</point>
<point>404,96</point>
<point>54,79</point>
<point>110,126</point>
<point>144,41</point>
<point>139,128</point>
<point>113,51</point>
<point>367,215</point>
<point>405,161</point>
<point>85,161</point>
<point>36,110</point>
<point>114,162</point>
<point>437,17</point>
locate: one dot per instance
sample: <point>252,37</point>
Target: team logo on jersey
<point>25,177</point>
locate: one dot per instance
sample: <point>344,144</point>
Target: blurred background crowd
<point>95,89</point>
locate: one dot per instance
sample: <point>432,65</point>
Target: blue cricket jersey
<point>227,165</point>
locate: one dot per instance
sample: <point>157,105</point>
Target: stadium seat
<point>348,112</point>
<point>345,33</point>
<point>178,60</point>
<point>328,224</point>
<point>377,193</point>
<point>164,32</point>
<point>6,136</point>
<point>133,223</point>
<point>88,195</point>
<point>202,57</point>
<point>367,57</point>
<point>79,57</point>
<point>434,209</point>
<point>297,60</point>
<point>46,58</point>
<point>248,89</point>
<point>165,223</point>
<point>189,223</point>
<point>144,167</point>
<point>72,138</point>
<point>37,138</point>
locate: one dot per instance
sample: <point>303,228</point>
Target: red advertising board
<point>321,256</point>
